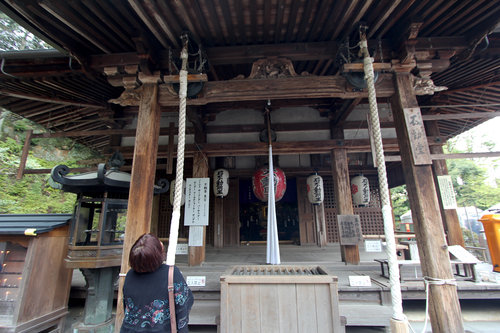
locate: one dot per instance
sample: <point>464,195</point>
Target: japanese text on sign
<point>197,201</point>
<point>447,192</point>
<point>418,139</point>
<point>349,229</point>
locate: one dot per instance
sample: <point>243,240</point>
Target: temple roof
<point>19,224</point>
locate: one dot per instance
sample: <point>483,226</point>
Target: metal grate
<point>277,270</point>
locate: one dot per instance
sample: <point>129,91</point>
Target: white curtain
<point>273,247</point>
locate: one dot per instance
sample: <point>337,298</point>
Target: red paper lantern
<point>260,183</point>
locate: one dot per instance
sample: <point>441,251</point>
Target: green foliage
<point>32,193</point>
<point>15,37</point>
<point>400,202</point>
<point>470,183</point>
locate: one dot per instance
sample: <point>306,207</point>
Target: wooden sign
<point>349,229</point>
<point>195,236</point>
<point>417,137</point>
<point>447,192</point>
<point>197,197</point>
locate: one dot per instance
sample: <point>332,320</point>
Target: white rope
<point>397,304</point>
<point>433,281</point>
<point>179,172</point>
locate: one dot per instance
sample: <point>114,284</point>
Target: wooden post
<point>449,216</point>
<point>445,314</point>
<point>218,222</point>
<point>170,152</point>
<point>24,155</point>
<point>140,200</point>
<point>200,170</point>
<point>319,217</point>
<point>343,199</point>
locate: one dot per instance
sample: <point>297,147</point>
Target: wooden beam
<point>278,88</point>
<point>468,115</point>
<point>140,201</point>
<point>345,110</point>
<point>456,156</point>
<point>451,222</point>
<point>247,54</point>
<point>279,148</point>
<point>444,306</point>
<point>343,199</point>
<point>49,100</point>
<point>24,155</point>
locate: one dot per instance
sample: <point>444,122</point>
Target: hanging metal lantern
<point>172,191</point>
<point>360,190</point>
<point>315,192</point>
<point>260,181</point>
<point>221,186</point>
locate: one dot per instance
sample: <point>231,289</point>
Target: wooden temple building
<point>292,66</point>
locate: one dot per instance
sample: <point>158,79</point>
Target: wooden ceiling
<point>69,92</point>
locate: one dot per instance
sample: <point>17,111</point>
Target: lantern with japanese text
<point>172,191</point>
<point>220,185</point>
<point>360,190</point>
<point>260,183</point>
<point>315,192</point>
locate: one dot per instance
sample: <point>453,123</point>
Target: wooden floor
<point>361,306</point>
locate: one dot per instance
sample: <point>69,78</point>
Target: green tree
<point>15,37</point>
<point>400,203</point>
<point>470,177</point>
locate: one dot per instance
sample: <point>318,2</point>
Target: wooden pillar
<point>343,199</point>
<point>319,217</point>
<point>24,155</point>
<point>218,222</point>
<point>444,306</point>
<point>451,222</point>
<point>200,170</point>
<point>140,200</point>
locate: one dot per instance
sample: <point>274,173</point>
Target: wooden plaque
<point>349,229</point>
<point>417,137</point>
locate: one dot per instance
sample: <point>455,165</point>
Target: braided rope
<point>397,306</point>
<point>179,172</point>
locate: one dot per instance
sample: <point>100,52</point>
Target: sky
<point>487,131</point>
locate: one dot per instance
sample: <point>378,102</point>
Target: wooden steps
<point>206,312</point>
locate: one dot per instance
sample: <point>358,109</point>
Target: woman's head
<point>147,254</point>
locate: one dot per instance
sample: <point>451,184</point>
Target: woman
<point>145,291</point>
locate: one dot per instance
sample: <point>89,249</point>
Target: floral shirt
<point>145,301</point>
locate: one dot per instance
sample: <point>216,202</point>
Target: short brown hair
<point>147,254</point>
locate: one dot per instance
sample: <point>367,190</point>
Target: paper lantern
<point>260,183</point>
<point>221,186</point>
<point>360,190</point>
<point>315,192</point>
<point>172,191</point>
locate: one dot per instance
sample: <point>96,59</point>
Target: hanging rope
<point>397,306</point>
<point>179,172</point>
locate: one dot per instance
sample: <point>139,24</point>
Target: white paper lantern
<point>221,185</point>
<point>315,192</point>
<point>172,191</point>
<point>360,190</point>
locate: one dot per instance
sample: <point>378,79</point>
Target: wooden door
<point>232,214</point>
<point>307,223</point>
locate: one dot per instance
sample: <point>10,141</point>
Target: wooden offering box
<point>284,299</point>
<point>34,282</point>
